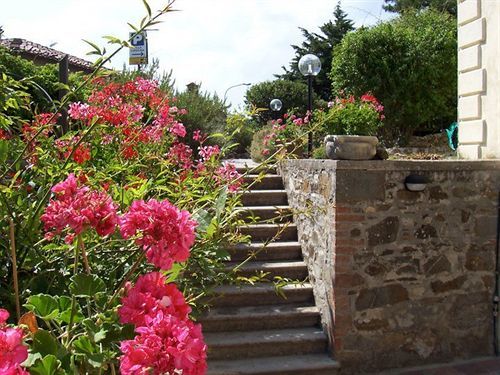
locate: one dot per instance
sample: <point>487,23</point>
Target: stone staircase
<point>251,329</point>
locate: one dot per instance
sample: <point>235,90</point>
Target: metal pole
<point>63,78</point>
<point>309,109</point>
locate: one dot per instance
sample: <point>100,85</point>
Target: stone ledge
<point>394,165</point>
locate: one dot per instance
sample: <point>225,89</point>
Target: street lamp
<point>276,106</point>
<point>309,66</point>
<point>232,87</point>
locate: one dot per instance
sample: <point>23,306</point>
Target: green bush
<point>41,82</point>
<point>351,116</point>
<point>240,129</point>
<point>206,112</point>
<point>257,148</point>
<point>410,65</point>
<point>319,153</point>
<point>292,94</point>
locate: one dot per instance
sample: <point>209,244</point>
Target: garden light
<point>276,105</point>
<point>309,66</point>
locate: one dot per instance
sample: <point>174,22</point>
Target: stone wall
<point>478,75</point>
<point>401,278</point>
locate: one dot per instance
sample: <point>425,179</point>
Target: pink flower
<point>165,345</point>
<point>12,350</point>
<point>180,154</point>
<point>206,152</point>
<point>227,174</point>
<point>146,86</point>
<point>178,129</point>
<point>166,233</point>
<point>76,209</point>
<point>198,136</point>
<point>149,295</point>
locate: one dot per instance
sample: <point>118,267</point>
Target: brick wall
<point>401,278</point>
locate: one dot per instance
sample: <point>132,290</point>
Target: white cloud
<point>219,42</point>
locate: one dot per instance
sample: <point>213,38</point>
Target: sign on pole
<point>138,54</point>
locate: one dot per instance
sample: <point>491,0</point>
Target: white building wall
<point>479,79</point>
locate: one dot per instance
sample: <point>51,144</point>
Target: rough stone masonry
<point>401,278</point>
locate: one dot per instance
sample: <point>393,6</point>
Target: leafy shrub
<point>409,64</point>
<point>292,94</point>
<point>319,153</point>
<point>240,129</point>
<point>351,116</point>
<point>205,112</point>
<point>119,196</point>
<point>258,149</point>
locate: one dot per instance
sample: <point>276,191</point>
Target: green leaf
<point>133,27</point>
<point>220,203</point>
<point>43,305</point>
<point>65,311</point>
<point>83,285</point>
<point>89,350</point>
<point>44,343</point>
<point>94,46</point>
<point>49,365</point>
<point>4,150</point>
<point>204,219</point>
<point>148,8</point>
<point>112,39</point>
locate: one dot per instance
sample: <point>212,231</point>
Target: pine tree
<point>320,44</point>
<point>399,6</point>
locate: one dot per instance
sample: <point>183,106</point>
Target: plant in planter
<point>350,125</point>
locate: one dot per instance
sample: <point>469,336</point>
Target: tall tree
<point>399,6</point>
<point>320,44</point>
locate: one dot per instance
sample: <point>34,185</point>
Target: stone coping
<point>391,165</point>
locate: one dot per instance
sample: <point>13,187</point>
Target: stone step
<point>260,318</point>
<point>261,251</point>
<point>277,214</point>
<point>268,232</point>
<point>264,198</point>
<point>264,182</point>
<point>253,169</point>
<point>294,270</point>
<point>310,364</point>
<point>262,294</point>
<point>251,344</point>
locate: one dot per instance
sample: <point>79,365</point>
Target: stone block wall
<point>478,75</point>
<point>401,278</point>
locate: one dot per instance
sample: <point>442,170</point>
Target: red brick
<point>343,209</point>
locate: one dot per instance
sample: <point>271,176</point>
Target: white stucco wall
<point>479,78</point>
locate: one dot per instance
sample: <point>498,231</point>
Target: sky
<point>215,43</point>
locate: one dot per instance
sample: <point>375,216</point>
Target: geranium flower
<point>166,233</point>
<point>165,345</point>
<point>149,295</point>
<point>12,350</point>
<point>76,209</point>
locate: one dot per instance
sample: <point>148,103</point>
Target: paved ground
<point>483,366</point>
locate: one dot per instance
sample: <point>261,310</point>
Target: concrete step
<point>251,344</point>
<point>266,213</point>
<point>262,294</point>
<point>256,169</point>
<point>260,318</point>
<point>264,182</point>
<point>264,198</point>
<point>268,232</point>
<point>311,364</point>
<point>294,270</point>
<point>261,251</point>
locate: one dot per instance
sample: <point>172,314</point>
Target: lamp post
<point>232,87</point>
<point>309,66</point>
<point>276,106</point>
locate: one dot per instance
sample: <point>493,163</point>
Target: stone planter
<point>350,147</point>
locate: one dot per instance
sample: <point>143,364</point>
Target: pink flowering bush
<point>112,220</point>
<point>12,350</point>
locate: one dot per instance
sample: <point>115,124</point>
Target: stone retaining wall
<point>401,278</point>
